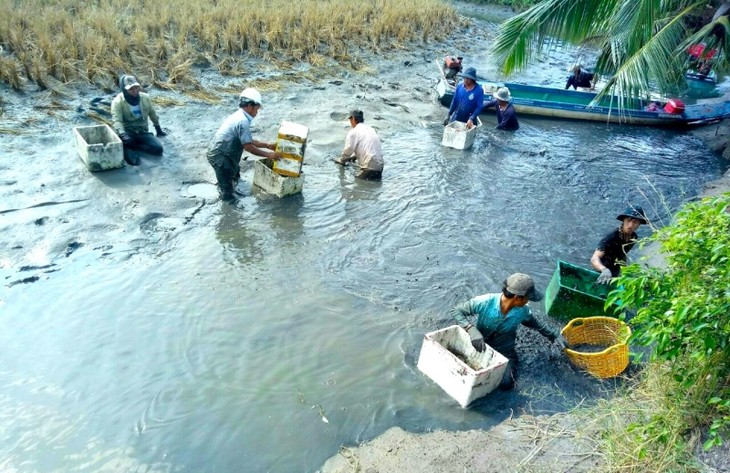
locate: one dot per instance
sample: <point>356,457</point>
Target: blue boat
<point>570,104</point>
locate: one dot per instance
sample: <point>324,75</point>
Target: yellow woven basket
<point>601,331</point>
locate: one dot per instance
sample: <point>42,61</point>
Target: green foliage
<point>682,312</point>
<point>642,43</point>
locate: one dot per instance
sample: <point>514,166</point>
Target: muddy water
<point>146,327</point>
<point>286,328</point>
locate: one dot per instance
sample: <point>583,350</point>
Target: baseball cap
<point>521,284</point>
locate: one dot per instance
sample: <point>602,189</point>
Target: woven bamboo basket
<point>600,331</point>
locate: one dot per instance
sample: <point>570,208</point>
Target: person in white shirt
<point>362,144</point>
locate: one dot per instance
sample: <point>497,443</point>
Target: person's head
<point>250,101</point>
<point>130,85</point>
<point>521,288</point>
<point>470,76</point>
<point>632,219</point>
<point>503,96</point>
<point>356,116</point>
<point>576,70</point>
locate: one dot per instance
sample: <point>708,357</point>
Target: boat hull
<point>573,105</point>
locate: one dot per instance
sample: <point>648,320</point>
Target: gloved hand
<point>446,121</point>
<point>126,139</point>
<point>160,132</point>
<point>477,339</point>
<point>562,342</point>
<point>605,276</point>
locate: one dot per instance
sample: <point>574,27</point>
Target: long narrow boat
<point>559,103</point>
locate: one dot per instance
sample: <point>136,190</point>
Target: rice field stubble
<point>66,41</point>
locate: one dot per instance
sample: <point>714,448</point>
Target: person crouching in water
<point>506,116</point>
<point>613,248</point>
<point>231,139</point>
<point>494,319</point>
<point>362,144</point>
<point>130,111</point>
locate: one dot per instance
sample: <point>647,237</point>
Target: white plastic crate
<point>272,183</point>
<point>291,143</point>
<point>99,147</point>
<point>457,136</point>
<point>473,376</point>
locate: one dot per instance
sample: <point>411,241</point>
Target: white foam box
<point>291,143</point>
<point>273,183</point>
<point>457,136</point>
<point>461,381</point>
<point>99,147</point>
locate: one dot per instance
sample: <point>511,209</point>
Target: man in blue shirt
<point>468,100</point>
<point>499,315</point>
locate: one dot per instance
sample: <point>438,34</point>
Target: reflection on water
<point>229,353</point>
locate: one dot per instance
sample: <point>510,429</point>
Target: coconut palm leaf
<point>547,24</point>
<point>714,35</point>
<point>654,65</point>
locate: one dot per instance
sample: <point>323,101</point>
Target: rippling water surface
<point>290,327</point>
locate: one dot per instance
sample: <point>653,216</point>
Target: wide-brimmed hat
<point>469,73</point>
<point>521,284</point>
<point>633,212</point>
<point>503,94</point>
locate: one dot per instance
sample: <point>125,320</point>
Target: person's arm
<point>150,110</point>
<point>258,149</point>
<point>489,104</point>
<point>118,114</point>
<point>348,153</point>
<point>545,329</point>
<point>464,314</point>
<point>596,260</point>
<point>455,100</point>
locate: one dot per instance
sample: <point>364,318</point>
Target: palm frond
<point>655,65</point>
<point>545,25</point>
<point>714,35</point>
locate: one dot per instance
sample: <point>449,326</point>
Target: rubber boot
<point>131,158</point>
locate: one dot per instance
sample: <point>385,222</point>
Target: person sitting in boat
<point>468,99</point>
<point>506,116</point>
<point>581,78</point>
<point>613,248</point>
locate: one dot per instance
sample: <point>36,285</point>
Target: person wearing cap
<point>506,116</point>
<point>494,319</point>
<point>232,138</point>
<point>131,110</point>
<point>468,100</point>
<point>362,144</point>
<point>581,78</point>
<point>614,247</point>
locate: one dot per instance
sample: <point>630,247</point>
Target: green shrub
<point>683,313</point>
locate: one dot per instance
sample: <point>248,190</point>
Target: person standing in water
<point>613,248</point>
<point>232,138</point>
<point>506,116</point>
<point>468,100</point>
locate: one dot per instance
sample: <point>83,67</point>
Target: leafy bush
<point>683,313</point>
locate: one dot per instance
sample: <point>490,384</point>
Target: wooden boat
<point>559,103</point>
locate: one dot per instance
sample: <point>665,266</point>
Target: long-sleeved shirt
<point>507,118</point>
<point>363,142</point>
<point>466,104</point>
<point>499,330</point>
<point>124,118</point>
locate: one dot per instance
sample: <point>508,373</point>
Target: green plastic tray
<point>573,292</point>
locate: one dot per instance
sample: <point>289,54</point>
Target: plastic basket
<point>573,292</point>
<point>602,331</point>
